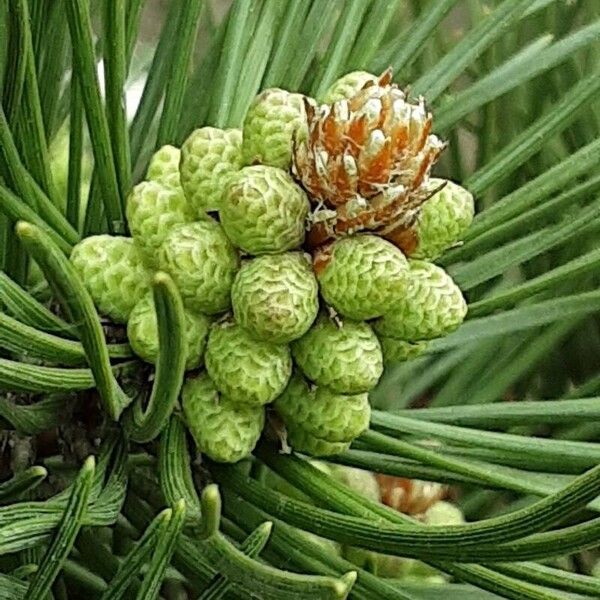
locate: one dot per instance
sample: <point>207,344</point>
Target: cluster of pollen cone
<point>302,248</point>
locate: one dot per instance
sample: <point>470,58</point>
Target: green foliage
<point>513,87</point>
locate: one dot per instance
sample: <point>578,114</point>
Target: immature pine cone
<point>142,331</point>
<point>443,513</point>
<point>395,351</point>
<point>345,357</point>
<point>275,297</point>
<point>209,157</point>
<point>274,119</point>
<point>301,441</point>
<point>264,211</point>
<point>224,431</point>
<point>361,276</point>
<point>203,263</point>
<point>348,86</point>
<point>432,307</point>
<point>322,413</point>
<point>113,272</point>
<point>440,224</point>
<point>246,370</point>
<point>367,160</point>
<point>164,167</point>
<point>153,209</point>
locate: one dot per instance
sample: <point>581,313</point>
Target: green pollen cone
<point>113,271</point>
<point>264,211</point>
<point>344,356</point>
<point>363,276</point>
<point>432,307</point>
<point>322,413</point>
<point>246,370</point>
<point>209,158</point>
<point>273,119</point>
<point>224,431</point>
<point>142,331</point>
<point>275,298</point>
<point>203,263</point>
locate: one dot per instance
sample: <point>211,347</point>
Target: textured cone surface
<point>349,85</point>
<point>322,413</point>
<point>345,357</point>
<point>164,167</point>
<point>274,118</point>
<point>443,220</point>
<point>209,158</point>
<point>153,209</point>
<point>224,431</point>
<point>396,351</point>
<point>361,275</point>
<point>360,481</point>
<point>275,298</point>
<point>264,211</point>
<point>302,441</point>
<point>142,331</point>
<point>433,306</point>
<point>203,263</point>
<point>246,370</point>
<point>113,271</point>
<point>443,513</point>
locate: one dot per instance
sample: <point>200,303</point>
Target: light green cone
<point>142,331</point>
<point>224,431</point>
<point>396,351</point>
<point>275,298</point>
<point>345,357</point>
<point>411,570</point>
<point>246,370</point>
<point>364,483</point>
<point>432,307</point>
<point>203,263</point>
<point>274,117</point>
<point>264,211</point>
<point>302,441</point>
<point>113,272</point>
<point>209,157</point>
<point>153,209</point>
<point>322,413</point>
<point>358,480</point>
<point>443,513</point>
<point>348,85</point>
<point>443,220</point>
<point>59,166</point>
<point>362,278</point>
<point>164,167</point>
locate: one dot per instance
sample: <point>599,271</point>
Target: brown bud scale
<point>366,160</point>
